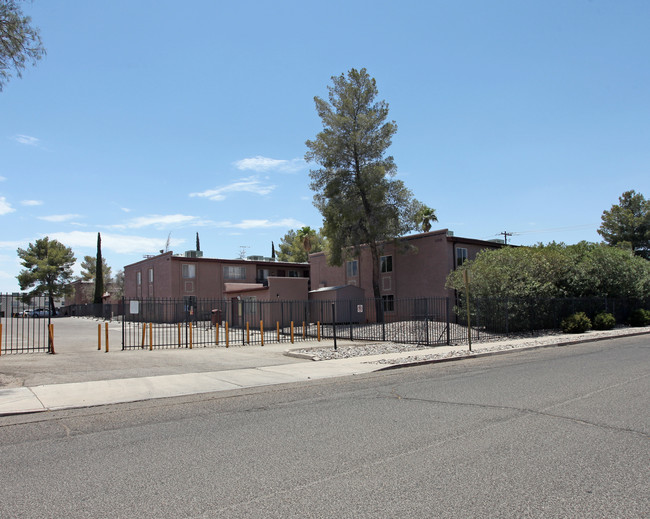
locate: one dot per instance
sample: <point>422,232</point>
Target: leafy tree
<point>118,284</point>
<point>627,224</point>
<point>48,269</point>
<point>19,41</point>
<point>356,193</point>
<point>556,270</point>
<point>99,274</point>
<point>89,270</point>
<point>292,245</point>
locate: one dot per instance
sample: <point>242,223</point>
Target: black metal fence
<point>191,322</point>
<point>24,325</point>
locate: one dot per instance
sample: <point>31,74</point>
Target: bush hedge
<point>640,317</point>
<point>576,323</point>
<point>604,321</point>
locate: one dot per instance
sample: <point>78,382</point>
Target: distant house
<point>191,275</point>
<point>413,266</point>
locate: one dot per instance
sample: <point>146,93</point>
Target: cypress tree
<point>99,272</point>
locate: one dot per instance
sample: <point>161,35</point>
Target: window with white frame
<point>461,256</point>
<point>234,272</point>
<point>352,268</point>
<point>150,275</point>
<point>386,263</point>
<point>189,271</point>
<point>138,278</point>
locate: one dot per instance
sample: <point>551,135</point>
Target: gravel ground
<point>541,339</point>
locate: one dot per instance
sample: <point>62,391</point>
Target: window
<point>189,271</point>
<point>352,268</point>
<point>386,263</point>
<point>150,275</point>
<point>293,274</point>
<point>234,272</point>
<point>461,256</point>
<point>138,278</point>
<point>388,303</point>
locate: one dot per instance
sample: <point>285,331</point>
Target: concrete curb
<point>511,350</point>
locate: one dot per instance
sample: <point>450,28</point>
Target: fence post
<point>426,324</point>
<point>350,316</point>
<point>334,323</point>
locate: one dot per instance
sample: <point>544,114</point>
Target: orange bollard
<point>277,324</point>
<point>179,335</point>
<point>303,330</point>
<point>106,337</point>
<point>318,328</point>
<point>190,335</point>
<point>99,337</point>
<point>216,334</point>
<point>291,332</point>
<point>150,337</point>
<point>50,330</point>
<point>0,338</point>
<point>248,333</point>
<point>227,336</point>
<point>262,331</point>
<point>144,333</point>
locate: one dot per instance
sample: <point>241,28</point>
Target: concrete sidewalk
<point>171,373</point>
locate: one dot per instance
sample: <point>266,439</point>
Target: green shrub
<point>640,317</point>
<point>576,323</point>
<point>604,321</point>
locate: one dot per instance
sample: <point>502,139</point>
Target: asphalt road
<point>558,432</point>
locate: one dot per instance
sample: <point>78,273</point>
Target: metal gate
<point>25,325</point>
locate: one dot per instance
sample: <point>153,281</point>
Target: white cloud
<point>59,217</point>
<point>120,244</point>
<point>26,139</point>
<point>246,185</point>
<point>2,179</point>
<point>5,207</point>
<point>262,224</point>
<point>159,221</point>
<point>12,244</point>
<point>31,202</point>
<point>260,163</point>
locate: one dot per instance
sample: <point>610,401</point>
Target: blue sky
<point>154,117</point>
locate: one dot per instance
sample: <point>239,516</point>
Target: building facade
<point>176,276</point>
<point>412,267</point>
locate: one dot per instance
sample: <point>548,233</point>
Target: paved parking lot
<point>78,360</point>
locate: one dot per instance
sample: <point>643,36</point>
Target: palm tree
<point>306,234</point>
<point>427,215</point>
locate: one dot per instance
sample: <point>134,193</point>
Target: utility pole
<point>505,236</point>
